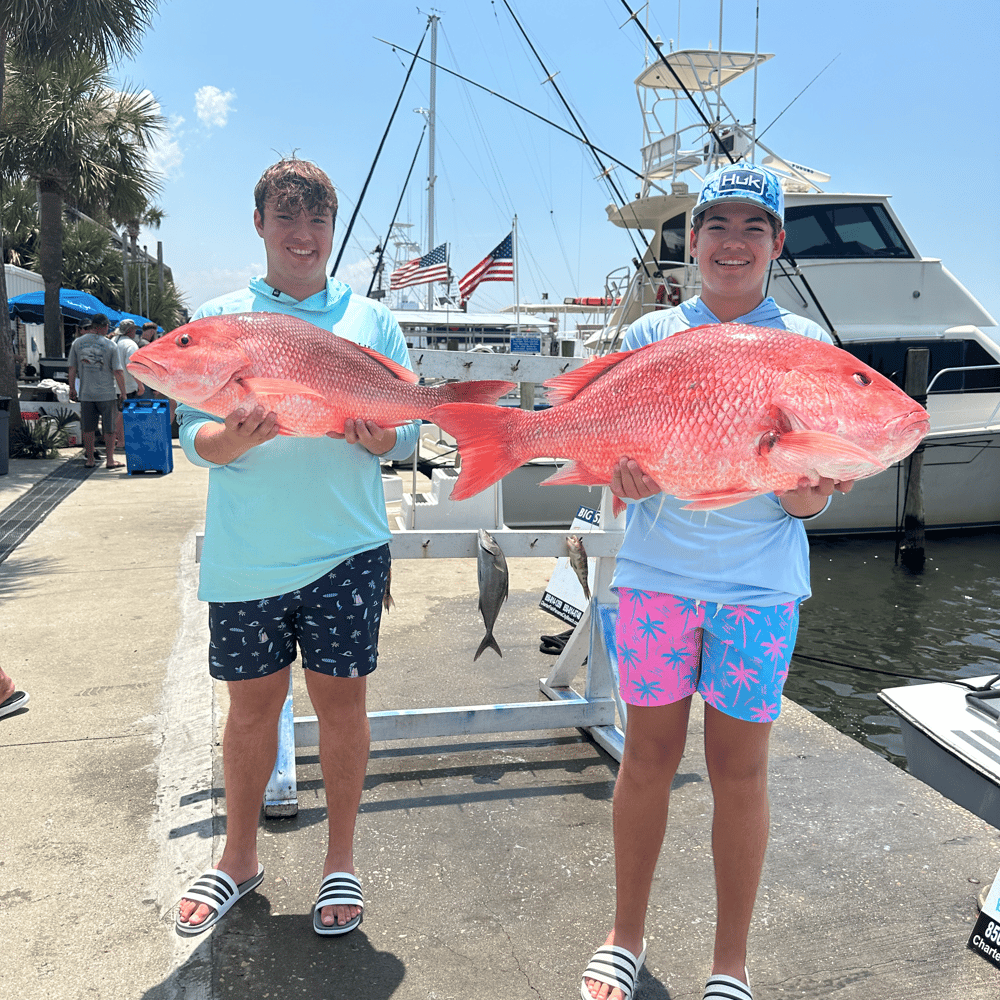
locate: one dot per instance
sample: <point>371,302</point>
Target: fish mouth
<point>909,429</point>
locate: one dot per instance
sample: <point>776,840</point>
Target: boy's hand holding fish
<point>242,430</point>
<point>368,434</point>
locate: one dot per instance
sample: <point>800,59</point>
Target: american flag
<point>432,266</point>
<point>498,266</point>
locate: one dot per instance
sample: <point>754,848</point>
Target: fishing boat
<point>849,264</point>
<point>951,734</point>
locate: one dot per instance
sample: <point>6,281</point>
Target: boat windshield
<point>842,232</point>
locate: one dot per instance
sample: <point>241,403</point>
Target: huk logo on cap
<point>740,182</point>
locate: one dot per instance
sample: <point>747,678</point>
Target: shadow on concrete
<point>264,955</point>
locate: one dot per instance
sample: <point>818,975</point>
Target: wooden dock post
<point>911,549</point>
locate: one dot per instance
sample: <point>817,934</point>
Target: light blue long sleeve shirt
<point>750,553</point>
<point>288,511</point>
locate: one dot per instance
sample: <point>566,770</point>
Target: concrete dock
<point>487,863</point>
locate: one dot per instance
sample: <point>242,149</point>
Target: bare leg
<point>7,686</point>
<point>736,752</point>
<point>249,750</point>
<point>88,448</point>
<point>109,444</point>
<point>654,745</point>
<point>344,741</point>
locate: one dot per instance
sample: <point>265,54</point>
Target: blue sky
<point>907,108</point>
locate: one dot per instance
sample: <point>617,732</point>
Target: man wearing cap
<point>708,602</point>
<point>127,344</point>
<point>95,358</point>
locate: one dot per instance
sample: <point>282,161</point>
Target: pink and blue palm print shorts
<point>735,656</point>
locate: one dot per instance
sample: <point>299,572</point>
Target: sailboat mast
<point>431,121</point>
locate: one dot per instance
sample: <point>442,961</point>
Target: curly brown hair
<point>295,185</point>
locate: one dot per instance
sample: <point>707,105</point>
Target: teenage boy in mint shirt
<point>708,602</point>
<point>296,558</point>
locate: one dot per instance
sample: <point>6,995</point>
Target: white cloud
<point>213,106</point>
<point>166,155</point>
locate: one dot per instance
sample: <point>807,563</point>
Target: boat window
<point>842,232</point>
<point>889,358</point>
<point>672,239</point>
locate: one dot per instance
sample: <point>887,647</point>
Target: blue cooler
<point>148,445</point>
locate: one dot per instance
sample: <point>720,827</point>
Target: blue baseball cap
<point>745,183</point>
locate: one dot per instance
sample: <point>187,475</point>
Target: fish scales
<point>715,415</point>
<point>311,378</point>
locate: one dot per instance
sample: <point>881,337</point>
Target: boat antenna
<point>402,194</point>
<point>378,152</point>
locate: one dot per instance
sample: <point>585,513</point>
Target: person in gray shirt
<point>96,360</point>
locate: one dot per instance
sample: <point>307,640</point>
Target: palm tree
<point>107,29</point>
<point>69,131</point>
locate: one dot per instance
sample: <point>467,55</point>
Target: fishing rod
<point>406,183</point>
<point>378,153</point>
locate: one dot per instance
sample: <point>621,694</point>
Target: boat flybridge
<point>848,264</point>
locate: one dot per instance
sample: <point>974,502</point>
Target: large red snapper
<point>716,415</point>
<point>312,379</point>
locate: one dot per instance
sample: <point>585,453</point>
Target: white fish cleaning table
<point>593,710</point>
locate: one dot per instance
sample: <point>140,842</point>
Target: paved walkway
<point>487,862</point>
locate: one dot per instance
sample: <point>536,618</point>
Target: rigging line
<point>402,194</point>
<point>605,171</point>
<point>378,152</point>
<point>801,92</point>
<point>521,107</point>
<point>857,666</point>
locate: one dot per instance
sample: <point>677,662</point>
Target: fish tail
<point>488,643</point>
<point>487,441</point>
<point>483,391</point>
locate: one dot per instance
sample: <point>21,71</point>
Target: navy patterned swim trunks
<point>333,623</point>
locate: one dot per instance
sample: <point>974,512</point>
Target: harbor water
<point>870,620</point>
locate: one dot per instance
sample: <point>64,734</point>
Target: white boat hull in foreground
<point>952,739</point>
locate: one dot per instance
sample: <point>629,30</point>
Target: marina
<point>484,838</point>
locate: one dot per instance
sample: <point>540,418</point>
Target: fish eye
<point>862,379</point>
<point>183,340</point>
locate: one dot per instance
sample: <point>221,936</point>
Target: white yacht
<point>849,265</point>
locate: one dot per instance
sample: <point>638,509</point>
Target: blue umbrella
<point>73,304</point>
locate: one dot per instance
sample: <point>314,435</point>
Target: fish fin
<point>576,472</point>
<point>802,451</point>
<point>488,643</point>
<point>271,387</point>
<point>398,370</point>
<point>487,440</point>
<point>567,386</point>
<point>484,391</point>
<point>717,500</point>
<point>617,506</point>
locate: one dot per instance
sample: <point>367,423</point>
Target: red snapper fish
<point>716,415</point>
<point>311,378</point>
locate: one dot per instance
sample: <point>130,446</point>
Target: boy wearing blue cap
<point>708,602</point>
